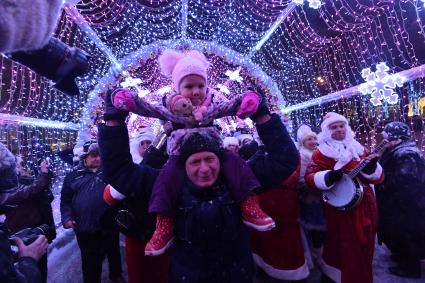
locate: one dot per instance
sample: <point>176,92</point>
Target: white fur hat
<point>243,137</point>
<point>143,134</point>
<point>331,118</point>
<point>303,132</point>
<point>230,141</point>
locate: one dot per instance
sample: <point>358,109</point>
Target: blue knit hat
<point>8,172</point>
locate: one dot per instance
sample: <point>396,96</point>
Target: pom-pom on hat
<point>331,118</point>
<point>178,65</point>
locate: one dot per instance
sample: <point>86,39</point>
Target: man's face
<point>203,168</point>
<point>194,88</point>
<point>338,130</point>
<point>92,160</point>
<point>143,146</point>
<point>233,147</point>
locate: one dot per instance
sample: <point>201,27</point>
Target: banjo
<point>347,193</point>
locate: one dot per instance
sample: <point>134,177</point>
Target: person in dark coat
<point>82,208</point>
<point>26,268</point>
<point>211,241</point>
<point>401,201</point>
<point>35,209</point>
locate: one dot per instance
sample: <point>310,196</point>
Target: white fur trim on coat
<point>319,180</point>
<point>332,272</point>
<point>375,175</point>
<point>116,194</point>
<point>300,273</point>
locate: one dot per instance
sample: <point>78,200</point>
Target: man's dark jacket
<point>137,181</point>
<point>401,200</point>
<point>82,199</point>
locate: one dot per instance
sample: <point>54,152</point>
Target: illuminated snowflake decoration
<point>234,75</point>
<point>223,88</point>
<point>381,85</point>
<point>131,82</point>
<point>315,4</point>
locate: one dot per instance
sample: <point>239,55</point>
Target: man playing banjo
<point>351,229</point>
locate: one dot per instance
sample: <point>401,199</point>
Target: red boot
<point>253,216</point>
<point>162,238</point>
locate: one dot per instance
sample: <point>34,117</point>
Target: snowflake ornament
<point>381,85</point>
<point>315,4</point>
<point>223,88</point>
<point>234,75</point>
<point>130,82</point>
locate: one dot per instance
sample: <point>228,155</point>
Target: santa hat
<point>178,65</point>
<point>8,172</point>
<point>230,141</point>
<point>143,134</point>
<point>331,118</point>
<point>304,132</point>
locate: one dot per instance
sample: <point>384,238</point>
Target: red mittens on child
<point>123,99</point>
<point>249,105</point>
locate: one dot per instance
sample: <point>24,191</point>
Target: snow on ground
<point>65,264</point>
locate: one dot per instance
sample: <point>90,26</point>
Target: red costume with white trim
<point>350,236</point>
<point>279,252</point>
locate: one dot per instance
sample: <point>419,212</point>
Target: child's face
<point>193,87</point>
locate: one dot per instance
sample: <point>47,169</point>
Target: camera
<point>57,62</point>
<point>29,235</point>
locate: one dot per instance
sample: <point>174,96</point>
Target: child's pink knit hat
<point>178,65</point>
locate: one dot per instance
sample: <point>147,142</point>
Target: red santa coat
<point>350,237</point>
<point>279,252</point>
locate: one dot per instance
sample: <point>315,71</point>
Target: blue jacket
<point>82,199</point>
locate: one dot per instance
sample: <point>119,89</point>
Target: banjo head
<point>342,193</point>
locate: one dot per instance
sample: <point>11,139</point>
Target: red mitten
<point>249,105</point>
<point>123,99</point>
<point>111,196</point>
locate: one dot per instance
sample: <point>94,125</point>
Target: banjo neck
<point>353,174</point>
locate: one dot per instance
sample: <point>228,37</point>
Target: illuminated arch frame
<point>204,46</point>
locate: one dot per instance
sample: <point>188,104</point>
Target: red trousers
<point>144,269</point>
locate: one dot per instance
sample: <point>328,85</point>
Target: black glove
<point>333,176</point>
<point>263,108</point>
<point>371,166</point>
<point>112,113</point>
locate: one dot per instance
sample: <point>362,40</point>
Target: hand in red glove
<point>249,104</point>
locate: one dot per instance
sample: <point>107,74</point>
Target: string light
<point>338,40</point>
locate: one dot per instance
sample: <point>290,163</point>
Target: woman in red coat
<point>279,252</point>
